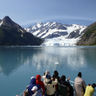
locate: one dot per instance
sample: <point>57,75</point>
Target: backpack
<point>62,89</point>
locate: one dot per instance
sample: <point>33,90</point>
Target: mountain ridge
<point>57,31</point>
<point>89,36</point>
<point>13,34</point>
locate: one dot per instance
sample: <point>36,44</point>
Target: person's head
<point>48,76</point>
<point>47,72</point>
<point>93,85</point>
<point>33,81</point>
<point>38,77</point>
<point>32,77</point>
<point>79,74</point>
<point>63,78</point>
<point>56,73</point>
<point>48,79</point>
<point>89,84</point>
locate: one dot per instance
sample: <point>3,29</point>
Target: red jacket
<point>39,82</point>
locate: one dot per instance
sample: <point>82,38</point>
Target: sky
<point>34,11</point>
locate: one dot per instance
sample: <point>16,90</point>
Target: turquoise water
<point>18,64</point>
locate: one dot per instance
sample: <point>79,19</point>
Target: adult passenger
<point>32,88</point>
<point>56,76</point>
<point>90,89</point>
<point>50,85</point>
<point>66,88</point>
<point>39,82</point>
<point>79,85</point>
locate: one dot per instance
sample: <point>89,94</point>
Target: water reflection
<point>51,58</point>
<point>13,58</point>
<point>46,58</point>
<point>90,56</point>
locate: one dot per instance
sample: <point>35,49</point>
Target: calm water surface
<point>18,64</point>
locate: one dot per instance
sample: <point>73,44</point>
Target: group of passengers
<point>48,85</point>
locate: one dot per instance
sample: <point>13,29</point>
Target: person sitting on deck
<point>90,90</point>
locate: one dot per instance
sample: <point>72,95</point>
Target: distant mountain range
<point>47,34</point>
<point>13,34</point>
<point>56,33</point>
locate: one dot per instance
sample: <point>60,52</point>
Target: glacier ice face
<point>57,34</point>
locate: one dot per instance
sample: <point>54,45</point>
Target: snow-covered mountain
<point>56,33</point>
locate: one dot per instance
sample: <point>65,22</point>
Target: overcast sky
<point>65,11</point>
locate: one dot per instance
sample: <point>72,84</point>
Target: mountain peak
<point>7,21</point>
<point>7,18</point>
<point>49,30</point>
<point>12,33</point>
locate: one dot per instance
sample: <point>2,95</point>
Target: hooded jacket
<point>39,82</point>
<point>31,85</point>
<point>79,86</point>
<point>89,91</point>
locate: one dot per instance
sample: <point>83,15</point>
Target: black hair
<point>79,74</point>
<point>93,85</point>
<point>56,73</point>
<point>63,78</point>
<point>48,76</point>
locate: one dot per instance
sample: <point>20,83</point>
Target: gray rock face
<point>13,34</point>
<point>74,34</point>
<point>89,36</point>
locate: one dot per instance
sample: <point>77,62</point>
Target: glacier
<point>57,34</point>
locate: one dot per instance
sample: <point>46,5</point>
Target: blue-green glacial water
<point>18,64</point>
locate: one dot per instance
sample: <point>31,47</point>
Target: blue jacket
<point>32,84</point>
